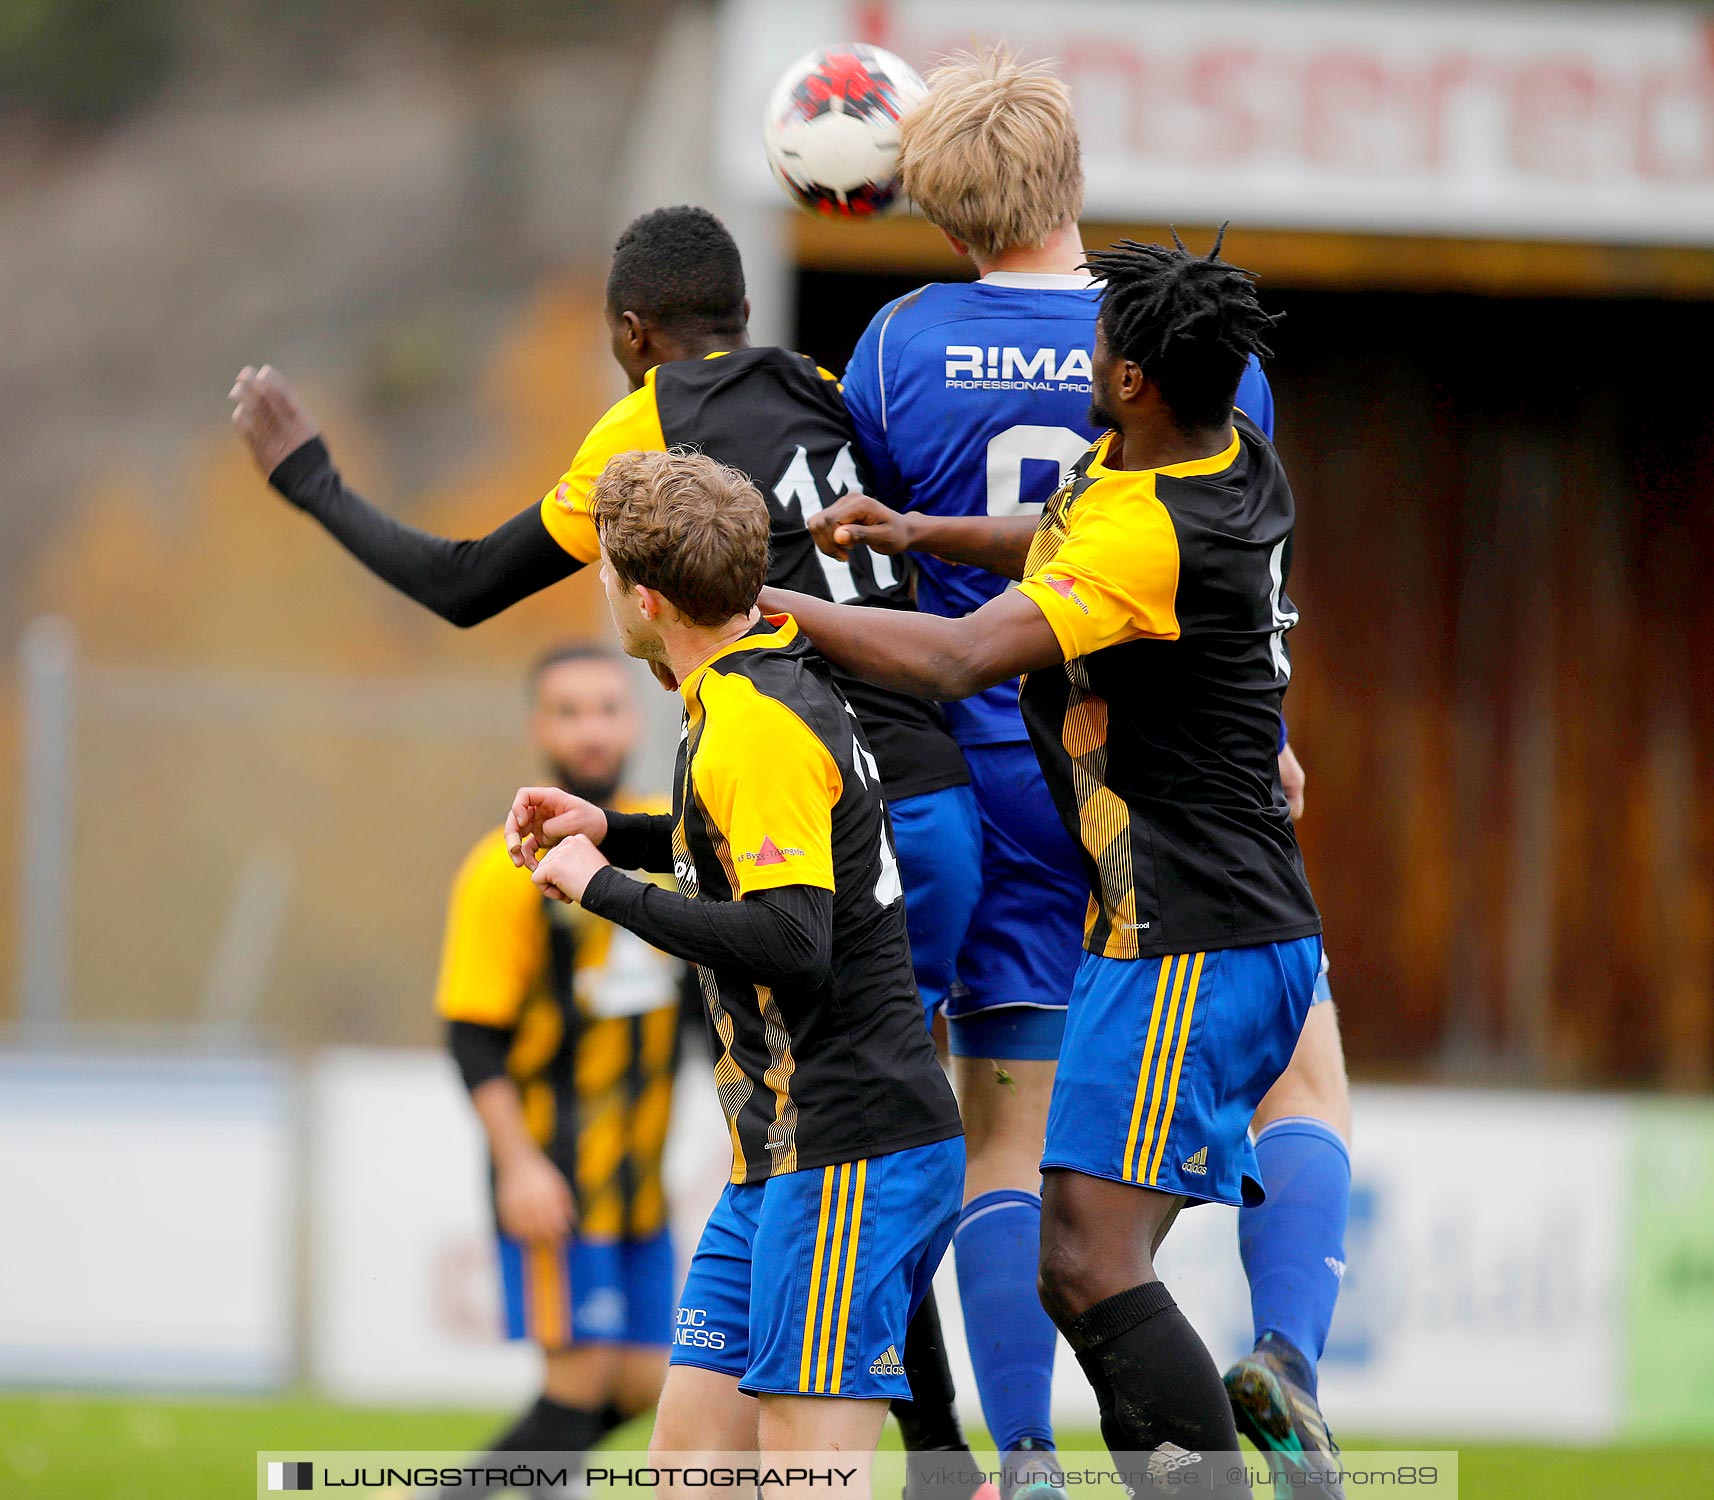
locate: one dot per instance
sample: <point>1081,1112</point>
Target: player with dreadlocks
<point>1185,318</point>
<point>970,399</point>
<point>1150,623</point>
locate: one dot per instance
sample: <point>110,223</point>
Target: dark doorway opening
<point>1504,683</point>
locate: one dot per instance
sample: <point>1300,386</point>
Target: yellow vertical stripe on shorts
<point>1177,1063</point>
<point>832,1280</point>
<point>850,1271</point>
<point>1126,1170</point>
<point>547,1302</point>
<point>815,1279</point>
<point>1159,1084</point>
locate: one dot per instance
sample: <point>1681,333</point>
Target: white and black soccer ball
<point>831,128</point>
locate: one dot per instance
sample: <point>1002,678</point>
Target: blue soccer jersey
<point>970,399</point>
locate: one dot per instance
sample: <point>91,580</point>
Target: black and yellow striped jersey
<point>593,1017</point>
<point>779,418</point>
<point>1159,735</point>
<point>775,786</point>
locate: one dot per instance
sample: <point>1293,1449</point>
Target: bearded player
<point>565,1031</point>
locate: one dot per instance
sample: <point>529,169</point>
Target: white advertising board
<point>405,1296</point>
<point>1536,121</point>
<point>1481,1264</point>
<point>147,1225</point>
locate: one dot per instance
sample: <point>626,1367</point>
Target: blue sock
<point>1293,1245</point>
<point>996,1248</point>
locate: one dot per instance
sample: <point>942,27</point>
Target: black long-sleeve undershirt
<point>639,841</point>
<point>464,582</point>
<point>480,1051</point>
<point>782,937</point>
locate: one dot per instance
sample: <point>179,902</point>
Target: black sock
<point>1154,1379</point>
<point>612,1418</point>
<point>547,1427</point>
<point>928,1421</point>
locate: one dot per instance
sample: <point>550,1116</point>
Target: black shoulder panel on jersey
<point>862,1079</point>
<point>772,414</point>
<point>1189,726</point>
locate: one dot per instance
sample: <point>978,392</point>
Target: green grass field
<point>74,1447</point>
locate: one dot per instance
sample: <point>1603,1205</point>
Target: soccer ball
<point>831,128</point>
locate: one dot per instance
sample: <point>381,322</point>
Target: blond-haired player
<point>970,400</point>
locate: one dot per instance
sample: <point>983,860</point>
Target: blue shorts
<point>805,1284</point>
<point>1008,1033</point>
<point>1025,938</point>
<point>1323,992</point>
<point>938,838</point>
<point>1166,1059</point>
<point>589,1291</point>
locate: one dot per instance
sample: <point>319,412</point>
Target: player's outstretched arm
<point>462,581</point>
<point>1001,544</point>
<point>926,655</point>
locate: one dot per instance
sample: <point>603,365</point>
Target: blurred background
<point>241,1203</point>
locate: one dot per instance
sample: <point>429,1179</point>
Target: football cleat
<point>1276,1411</point>
<point>922,1487</point>
<point>1030,1473</point>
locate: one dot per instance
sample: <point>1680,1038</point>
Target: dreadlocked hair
<point>1188,322</point>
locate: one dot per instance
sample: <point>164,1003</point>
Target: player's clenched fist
<point>543,815</point>
<point>267,412</point>
<point>565,871</point>
<point>857,521</point>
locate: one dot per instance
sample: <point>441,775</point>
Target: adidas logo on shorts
<point>1197,1165</point>
<point>888,1363</point>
